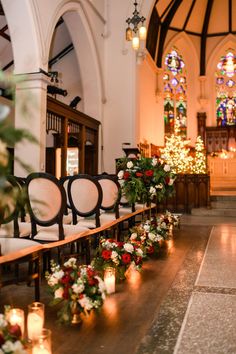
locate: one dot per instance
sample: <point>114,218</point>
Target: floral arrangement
<point>168,220</point>
<point>118,255</point>
<point>147,234</point>
<point>144,178</point>
<point>10,338</point>
<point>73,285</point>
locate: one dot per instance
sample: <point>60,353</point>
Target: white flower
<point>133,236</point>
<point>101,285</point>
<point>139,252</point>
<point>128,247</point>
<point>114,255</point>
<point>143,238</point>
<point>159,237</point>
<point>154,161</point>
<point>120,174</point>
<point>52,280</point>
<point>152,190</point>
<point>159,186</point>
<point>71,262</point>
<point>58,293</point>
<point>14,348</point>
<point>152,236</point>
<point>58,274</point>
<point>3,322</point>
<point>130,164</point>
<point>167,168</point>
<point>78,288</point>
<point>4,111</point>
<point>171,181</point>
<point>86,303</point>
<point>146,227</point>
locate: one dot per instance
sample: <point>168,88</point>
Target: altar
<point>222,170</point>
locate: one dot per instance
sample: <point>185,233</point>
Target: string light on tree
<point>199,165</point>
<point>176,153</point>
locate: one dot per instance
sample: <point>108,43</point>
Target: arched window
<point>175,103</point>
<point>226,90</point>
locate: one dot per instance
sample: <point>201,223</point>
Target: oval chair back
<point>111,193</point>
<point>46,201</point>
<point>85,197</point>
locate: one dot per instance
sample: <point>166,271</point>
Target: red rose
<point>90,272</point>
<point>14,330</point>
<point>126,258</point>
<point>2,340</point>
<point>139,174</point>
<point>167,180</point>
<point>126,175</point>
<point>120,244</point>
<point>66,279</point>
<point>149,173</point>
<point>66,293</point>
<point>106,254</point>
<point>81,296</point>
<point>150,250</point>
<point>92,281</point>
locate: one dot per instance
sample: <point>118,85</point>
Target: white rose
<point>120,174</point>
<point>133,236</point>
<point>171,181</point>
<point>154,161</point>
<point>152,190</point>
<point>52,281</point>
<point>128,247</point>
<point>159,186</point>
<point>78,288</point>
<point>130,164</point>
<point>159,237</point>
<point>58,293</point>
<point>146,227</point>
<point>13,347</point>
<point>167,168</point>
<point>101,284</point>
<point>152,236</point>
<point>59,274</point>
<point>71,262</point>
<point>3,322</point>
<point>86,303</point>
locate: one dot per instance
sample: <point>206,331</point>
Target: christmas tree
<point>199,165</point>
<point>176,153</point>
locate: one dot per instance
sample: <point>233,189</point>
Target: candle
<point>16,316</point>
<point>40,350</point>
<point>35,319</point>
<point>34,325</point>
<point>42,343</point>
<point>110,280</point>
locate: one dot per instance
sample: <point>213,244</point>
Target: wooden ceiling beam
<point>204,37</point>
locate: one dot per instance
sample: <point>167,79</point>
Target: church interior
<point>117,176</point>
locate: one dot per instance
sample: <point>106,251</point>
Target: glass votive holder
<point>16,316</point>
<point>110,280</point>
<point>42,343</point>
<point>35,319</point>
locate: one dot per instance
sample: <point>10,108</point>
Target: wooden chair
<point>46,204</point>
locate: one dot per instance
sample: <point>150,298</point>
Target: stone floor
<point>169,308</point>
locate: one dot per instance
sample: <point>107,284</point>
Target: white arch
<point>26,52</point>
<point>80,29</point>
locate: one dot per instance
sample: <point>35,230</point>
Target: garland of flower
<point>83,285</point>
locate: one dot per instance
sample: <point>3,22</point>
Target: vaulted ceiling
<point>202,19</point>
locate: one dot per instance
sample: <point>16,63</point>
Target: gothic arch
<point>79,27</point>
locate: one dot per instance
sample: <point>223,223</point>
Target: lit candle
<point>16,316</point>
<point>41,350</point>
<point>35,320</point>
<point>42,343</point>
<point>110,280</point>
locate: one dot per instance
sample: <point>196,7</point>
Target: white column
<point>30,114</point>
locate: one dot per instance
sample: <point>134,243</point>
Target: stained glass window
<point>226,90</point>
<point>175,103</point>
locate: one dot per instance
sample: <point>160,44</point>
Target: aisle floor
<point>147,313</point>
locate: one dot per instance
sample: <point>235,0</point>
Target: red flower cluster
<point>126,175</point>
<point>149,173</point>
<point>126,258</point>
